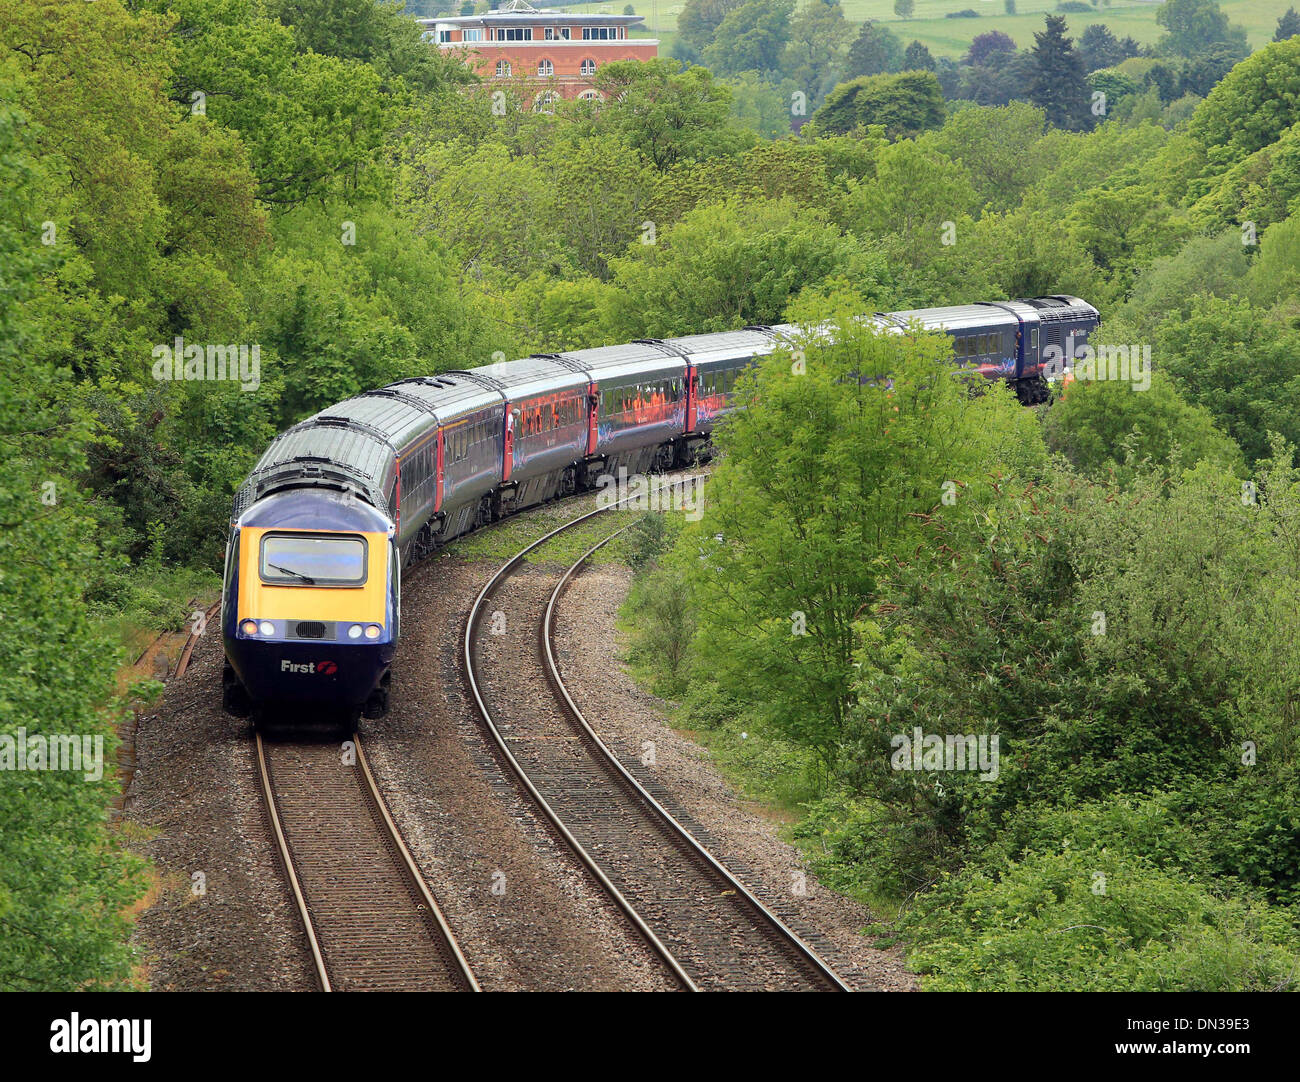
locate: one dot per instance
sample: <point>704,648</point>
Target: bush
<point>965,13</point>
<point>1091,919</point>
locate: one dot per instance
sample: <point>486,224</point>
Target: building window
<point>514,33</point>
<point>590,95</point>
<point>444,35</point>
<point>472,35</point>
<point>557,33</point>
<point>544,102</point>
<point>545,69</point>
<point>588,67</point>
<point>598,33</point>
<point>503,69</point>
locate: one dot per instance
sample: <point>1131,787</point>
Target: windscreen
<point>313,560</point>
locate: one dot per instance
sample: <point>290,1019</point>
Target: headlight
<point>372,631</point>
<point>249,627</point>
<point>354,632</point>
<point>266,627</point>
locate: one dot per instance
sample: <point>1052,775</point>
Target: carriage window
<point>313,560</point>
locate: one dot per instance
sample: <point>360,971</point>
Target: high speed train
<point>340,503</point>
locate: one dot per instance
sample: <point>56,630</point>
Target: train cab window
<point>303,559</point>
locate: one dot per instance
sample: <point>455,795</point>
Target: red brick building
<point>540,54</point>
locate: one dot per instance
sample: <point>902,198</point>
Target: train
<point>341,503</point>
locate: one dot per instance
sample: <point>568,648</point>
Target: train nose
<point>311,671</point>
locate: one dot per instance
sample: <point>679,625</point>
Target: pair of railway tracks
<point>708,928</point>
<point>369,918</point>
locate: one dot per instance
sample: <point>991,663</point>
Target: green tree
<point>874,51</point>
<point>1058,86</point>
<point>725,265</point>
<point>903,104</point>
<point>904,8</point>
<point>699,19</point>
<point>916,189</point>
<point>1114,428</point>
<point>1253,105</point>
<point>1099,48</point>
<point>819,35</point>
<point>996,149</point>
<point>917,58</point>
<point>1231,359</point>
<point>779,568</point>
<point>752,37</point>
<point>1193,27</point>
<point>65,879</point>
<point>666,114</point>
<point>762,106</point>
<point>1288,25</point>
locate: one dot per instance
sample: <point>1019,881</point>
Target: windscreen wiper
<point>296,574</point>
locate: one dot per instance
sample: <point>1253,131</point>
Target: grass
<point>952,37</point>
<point>504,540</point>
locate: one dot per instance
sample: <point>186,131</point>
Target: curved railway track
<point>708,928</point>
<point>370,920</point>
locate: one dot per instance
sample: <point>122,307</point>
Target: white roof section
<point>521,13</point>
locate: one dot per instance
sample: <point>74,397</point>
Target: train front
<point>310,608</point>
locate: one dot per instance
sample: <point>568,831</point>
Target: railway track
<point>709,929</point>
<point>370,920</point>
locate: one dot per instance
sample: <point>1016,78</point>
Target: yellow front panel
<point>364,604</point>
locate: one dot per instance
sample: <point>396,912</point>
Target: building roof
<point>517,14</point>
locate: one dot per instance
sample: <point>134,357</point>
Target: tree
<point>916,190</point>
<point>1108,428</point>
<point>666,114</point>
<point>1193,27</point>
<point>985,47</point>
<point>1288,26</point>
<point>1254,104</point>
<point>1229,357</point>
<point>763,106</point>
<point>728,264</point>
<point>904,8</point>
<point>1006,77</point>
<point>995,149</point>
<point>699,19</point>
<point>1058,86</point>
<point>752,37</point>
<point>1099,48</point>
<point>778,568</point>
<point>67,880</point>
<point>818,37</point>
<point>874,51</point>
<point>917,58</point>
<point>904,104</point>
